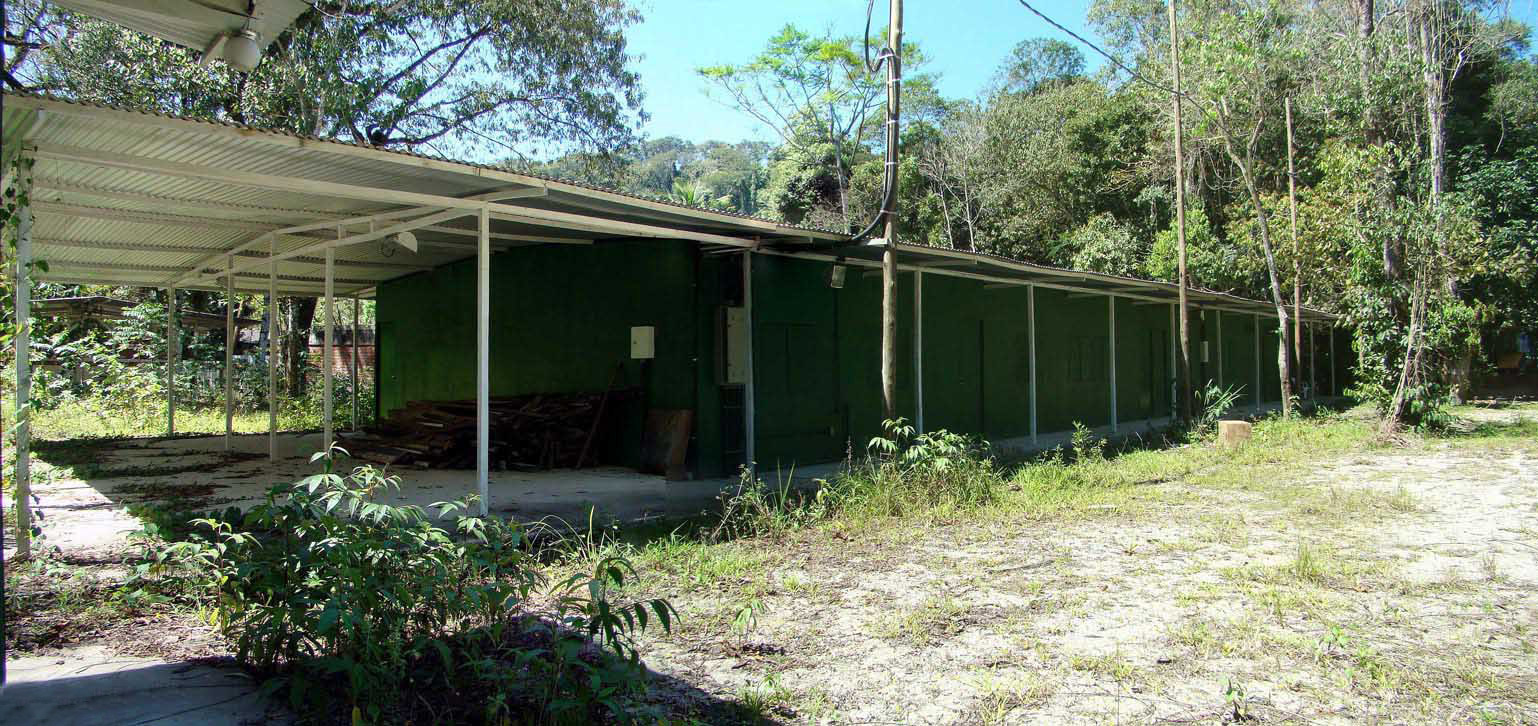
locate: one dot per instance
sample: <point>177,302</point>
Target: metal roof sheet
<point>135,198</point>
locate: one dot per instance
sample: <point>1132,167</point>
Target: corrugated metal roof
<point>113,206</point>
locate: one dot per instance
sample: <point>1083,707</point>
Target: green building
<point>1012,352</point>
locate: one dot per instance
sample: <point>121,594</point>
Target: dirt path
<point>1395,585</point>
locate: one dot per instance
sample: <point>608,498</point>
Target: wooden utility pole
<point>1297,261</point>
<point>889,252</point>
<point>1184,374</point>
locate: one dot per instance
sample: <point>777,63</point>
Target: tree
<point>1240,71</point>
<point>1104,245</point>
<point>817,90</point>
<point>1038,62</point>
<point>954,165</point>
<point>461,76</point>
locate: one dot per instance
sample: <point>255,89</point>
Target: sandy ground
<point>1394,586</point>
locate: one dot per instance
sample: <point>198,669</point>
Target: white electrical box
<point>734,363</point>
<point>643,342</point>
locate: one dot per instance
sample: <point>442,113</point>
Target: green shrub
<point>905,473</point>
<point>345,602</point>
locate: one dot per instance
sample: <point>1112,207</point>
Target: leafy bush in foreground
<point>344,601</point>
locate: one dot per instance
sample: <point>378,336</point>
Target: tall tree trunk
<point>1297,256</point>
<point>1434,82</point>
<point>301,316</point>
<point>1245,162</point>
<point>1186,404</point>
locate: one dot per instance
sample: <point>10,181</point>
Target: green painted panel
<point>1143,373</point>
<point>1006,371</point>
<point>859,355</point>
<point>1271,377</point>
<point>560,322</point>
<point>1072,350</point>
<point>1238,350</point>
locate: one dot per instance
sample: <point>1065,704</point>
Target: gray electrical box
<point>643,342</point>
<point>734,333</point>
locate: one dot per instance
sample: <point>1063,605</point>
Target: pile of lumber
<point>543,431</point>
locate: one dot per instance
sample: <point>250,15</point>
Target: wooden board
<point>665,443</point>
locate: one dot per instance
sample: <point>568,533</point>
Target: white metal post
<point>272,350</point>
<point>352,378</point>
<point>748,415</point>
<point>1030,315</point>
<point>172,338</point>
<point>1112,348</point>
<point>918,350</point>
<point>327,343</point>
<point>1258,394</point>
<point>23,437</point>
<point>483,362</point>
<point>229,352</point>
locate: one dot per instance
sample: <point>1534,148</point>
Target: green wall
<point>1073,352</point>
<point>561,318</point>
<point>560,322</point>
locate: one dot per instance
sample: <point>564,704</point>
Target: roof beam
<point>115,267</point>
<point>502,236</point>
<point>331,244</point>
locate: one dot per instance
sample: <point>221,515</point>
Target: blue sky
<point>965,39</point>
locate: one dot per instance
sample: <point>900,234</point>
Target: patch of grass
<point>765,701</point>
<point>1313,565</point>
<point>1110,665</point>
<point>936,619</point>
<point>1003,693</point>
<point>691,564</point>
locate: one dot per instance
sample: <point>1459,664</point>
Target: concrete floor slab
<point>89,686</point>
<point>89,515</point>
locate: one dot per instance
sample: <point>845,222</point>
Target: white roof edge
<point>749,225</point>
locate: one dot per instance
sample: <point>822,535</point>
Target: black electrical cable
<point>889,170</point>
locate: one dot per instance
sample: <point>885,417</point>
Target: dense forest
<point>1413,128</point>
<point>1377,158</point>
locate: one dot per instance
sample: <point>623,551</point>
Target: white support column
<point>1030,314</point>
<point>272,352</point>
<point>352,377</point>
<point>1258,395</point>
<point>328,373</point>
<point>483,362</point>
<point>918,350</point>
<point>229,352</point>
<point>172,338</point>
<point>748,414</point>
<point>23,436</point>
<point>1112,348</point>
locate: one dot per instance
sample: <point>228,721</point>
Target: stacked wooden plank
<point>542,431</point>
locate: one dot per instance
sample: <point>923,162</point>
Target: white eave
<point>131,198</point>
<point>194,24</point>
